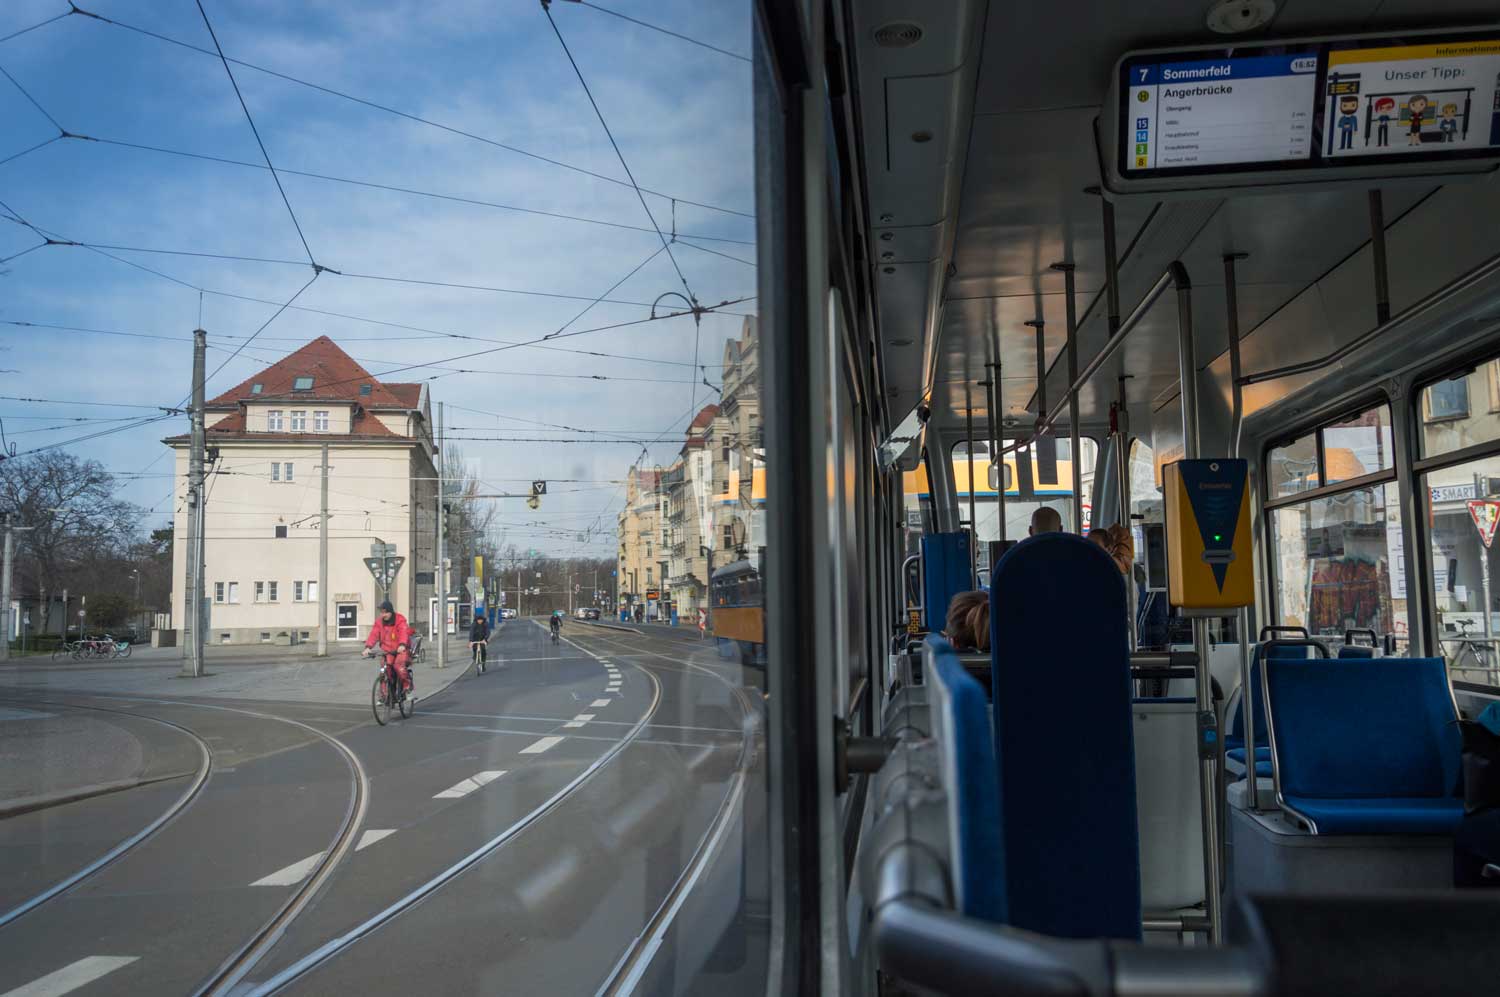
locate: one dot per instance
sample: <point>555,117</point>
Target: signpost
<point>1485,513</point>
<point>384,570</point>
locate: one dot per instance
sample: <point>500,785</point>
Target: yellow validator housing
<point>1209,563</point>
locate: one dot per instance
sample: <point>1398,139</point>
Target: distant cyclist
<point>479,635</point>
<point>556,623</point>
<point>394,637</point>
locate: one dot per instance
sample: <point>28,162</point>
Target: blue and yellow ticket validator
<point>1209,561</point>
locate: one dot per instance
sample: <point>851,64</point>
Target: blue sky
<point>680,113</point>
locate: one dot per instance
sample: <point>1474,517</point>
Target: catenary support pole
<point>440,577</point>
<point>192,622</point>
<point>5,570</point>
<point>323,558</point>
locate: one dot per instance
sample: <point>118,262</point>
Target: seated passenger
<point>1118,543</point>
<point>1045,520</point>
<point>968,624</point>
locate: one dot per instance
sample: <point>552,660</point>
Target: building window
<point>312,591</point>
<point>302,384</point>
<point>260,591</point>
<point>320,420</point>
<point>223,638</point>
<point>648,576</point>
<point>299,420</point>
<point>281,471</point>
<point>724,452</point>
<point>271,590</point>
<point>273,420</point>
<point>265,636</point>
<point>218,591</point>
<point>255,388</point>
<point>728,536</point>
<point>234,592</point>
<point>364,390</point>
<point>286,470</point>
<point>296,591</point>
<point>281,533</point>
<point>648,548</point>
<point>275,470</point>
<point>1447,399</point>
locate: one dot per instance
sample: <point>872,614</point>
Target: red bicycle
<point>387,691</point>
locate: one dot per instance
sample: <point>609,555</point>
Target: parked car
<point>591,614</point>
<point>507,614</point>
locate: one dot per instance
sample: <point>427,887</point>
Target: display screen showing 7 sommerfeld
<point>1310,105</point>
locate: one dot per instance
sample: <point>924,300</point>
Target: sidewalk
<point>279,674</point>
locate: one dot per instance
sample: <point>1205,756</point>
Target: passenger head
<point>978,624</point>
<point>1045,520</point>
<point>1100,536</point>
<point>958,627</point>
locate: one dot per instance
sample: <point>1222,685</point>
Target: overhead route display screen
<point>1211,112</point>
<point>1310,106</point>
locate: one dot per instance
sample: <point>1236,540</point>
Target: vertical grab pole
<point>1111,266</point>
<point>1236,423</point>
<point>1075,450</point>
<point>973,523</point>
<point>1377,245</point>
<point>1187,369</point>
<point>1000,431</point>
<point>997,462</point>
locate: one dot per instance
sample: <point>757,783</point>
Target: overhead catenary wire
<point>258,140</point>
<point>27,152</point>
<point>34,103</point>
<point>403,114</point>
<point>394,188</point>
<point>547,10</point>
<point>39,24</point>
<point>666,31</point>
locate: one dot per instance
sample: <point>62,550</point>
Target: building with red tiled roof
<point>266,437</point>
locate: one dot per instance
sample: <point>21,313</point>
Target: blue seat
<point>1064,741</point>
<point>961,728</point>
<point>1367,746</point>
<point>1235,761</point>
<point>1356,651</point>
<point>1235,738</point>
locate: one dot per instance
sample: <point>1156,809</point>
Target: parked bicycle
<point>1474,652</point>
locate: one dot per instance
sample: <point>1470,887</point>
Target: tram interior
<point>1071,811</point>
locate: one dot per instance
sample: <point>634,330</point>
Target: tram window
<point>1463,502</point>
<point>1358,446</point>
<point>1338,562</point>
<point>1461,411</point>
<point>1024,494</point>
<point>1293,468</point>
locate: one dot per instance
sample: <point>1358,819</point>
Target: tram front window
<point>1030,484</point>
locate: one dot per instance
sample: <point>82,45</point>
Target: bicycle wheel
<point>409,703</point>
<point>380,700</point>
<point>478,662</point>
<point>123,650</point>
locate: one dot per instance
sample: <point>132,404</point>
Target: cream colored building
<point>265,438</point>
<point>640,540</point>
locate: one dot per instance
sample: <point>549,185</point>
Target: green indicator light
<point>1217,538</point>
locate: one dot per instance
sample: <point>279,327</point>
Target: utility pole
<point>5,590</point>
<point>440,579</point>
<point>192,630</point>
<point>323,561</point>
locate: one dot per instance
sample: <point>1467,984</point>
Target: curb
<point>44,801</point>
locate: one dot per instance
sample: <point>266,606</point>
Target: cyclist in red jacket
<point>394,636</point>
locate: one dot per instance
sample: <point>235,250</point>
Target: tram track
<point>233,969</point>
<point>334,946</point>
<point>199,779</point>
<point>636,960</point>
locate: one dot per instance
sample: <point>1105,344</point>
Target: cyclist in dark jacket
<point>479,633</point>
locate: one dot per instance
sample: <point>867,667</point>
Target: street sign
<point>539,488</point>
<point>1486,514</point>
<point>384,570</point>
<point>382,549</point>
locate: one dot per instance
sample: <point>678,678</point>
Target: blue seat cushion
<point>1381,815</point>
<point>1236,761</point>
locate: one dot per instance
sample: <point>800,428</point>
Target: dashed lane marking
<point>476,781</point>
<point>598,703</point>
<point>579,720</point>
<point>72,976</point>
<point>545,744</point>
<point>292,874</point>
<point>370,837</point>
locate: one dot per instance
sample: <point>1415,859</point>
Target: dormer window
<point>255,388</point>
<point>302,384</point>
<point>364,390</point>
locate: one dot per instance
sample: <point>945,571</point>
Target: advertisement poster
<point>1412,99</point>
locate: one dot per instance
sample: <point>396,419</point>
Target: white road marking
<point>72,976</point>
<point>598,703</point>
<point>292,874</point>
<point>544,744</point>
<point>579,720</point>
<point>370,837</point>
<point>476,781</point>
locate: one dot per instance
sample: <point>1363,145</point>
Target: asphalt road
<point>586,816</point>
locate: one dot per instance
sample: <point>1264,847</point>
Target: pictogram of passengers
<point>1434,116</point>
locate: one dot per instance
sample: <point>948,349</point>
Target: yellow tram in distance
<point>739,616</point>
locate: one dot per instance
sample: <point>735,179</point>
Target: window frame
<point>321,420</point>
<point>1270,507</point>
<point>260,592</point>
<point>275,420</point>
<point>298,590</point>
<point>273,592</point>
<point>299,420</point>
<point>219,593</point>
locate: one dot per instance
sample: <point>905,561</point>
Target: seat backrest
<point>1279,651</point>
<point>961,727</point>
<point>1382,727</point>
<point>945,573</point>
<point>1063,740</point>
<point>1356,651</point>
